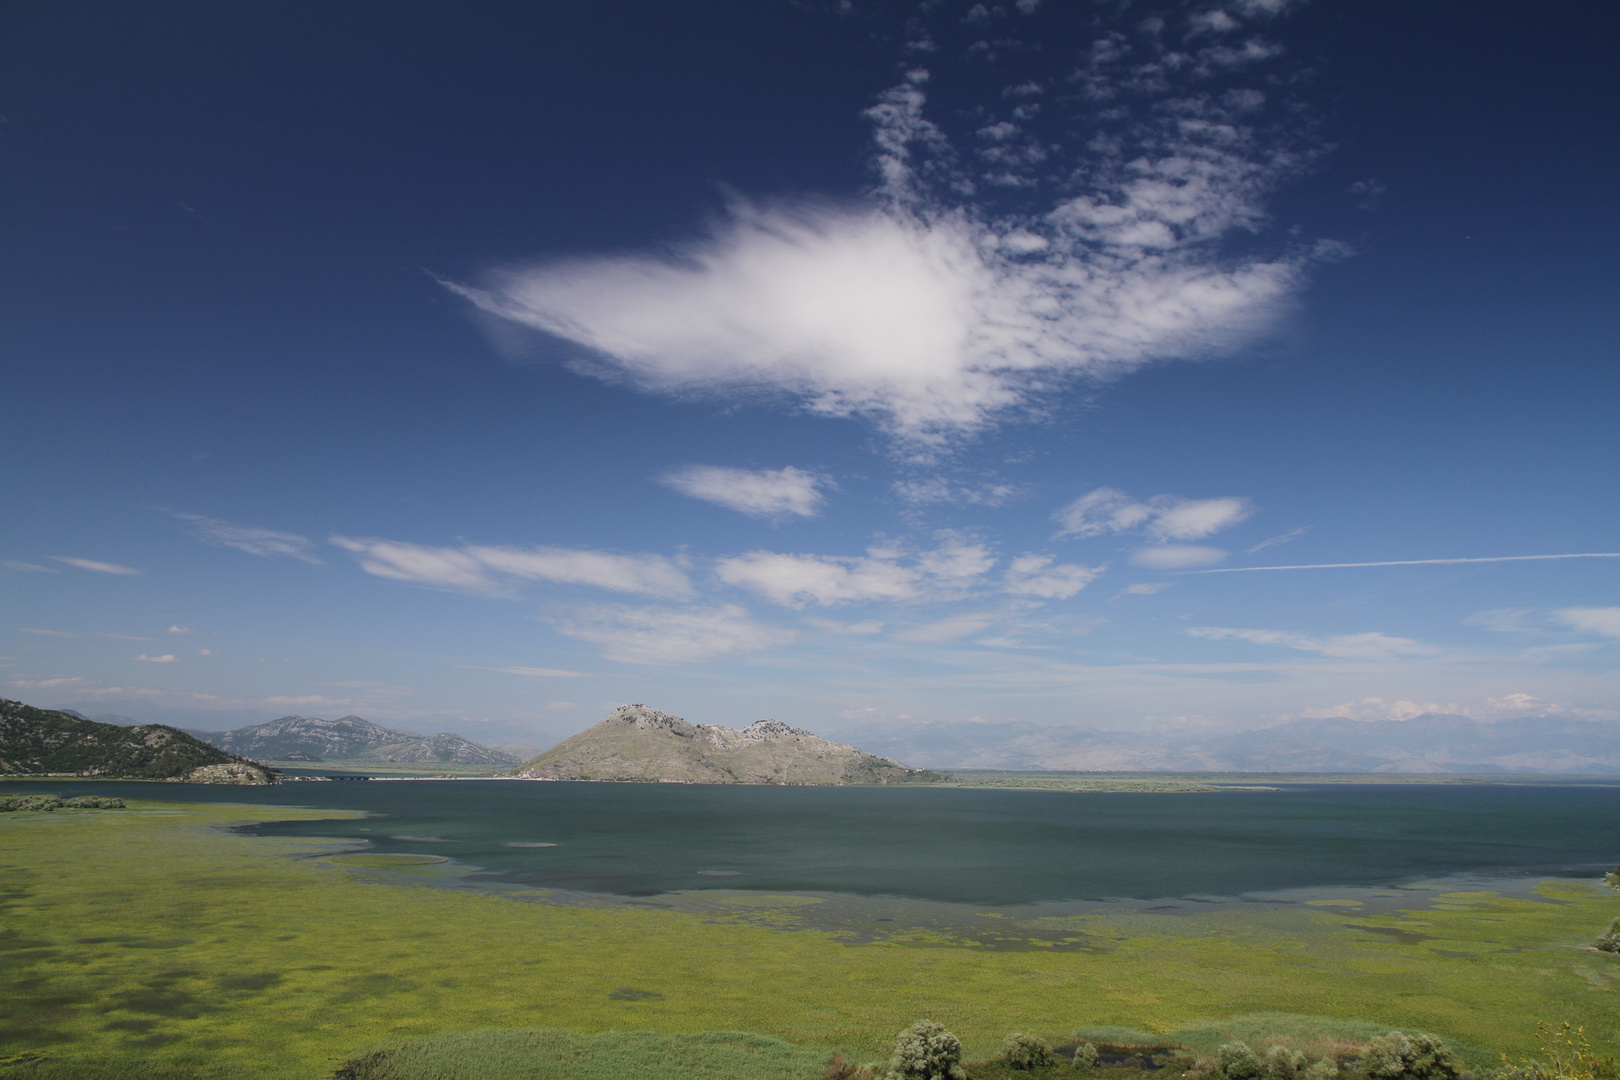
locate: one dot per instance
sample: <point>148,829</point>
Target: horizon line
<point>1409,562</point>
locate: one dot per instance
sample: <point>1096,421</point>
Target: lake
<point>996,847</point>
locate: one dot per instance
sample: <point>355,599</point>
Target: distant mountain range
<point>48,742</point>
<point>1432,743</point>
<point>641,744</point>
<point>349,738</point>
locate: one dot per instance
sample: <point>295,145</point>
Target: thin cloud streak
<point>97,567</point>
<point>531,672</point>
<point>1410,562</point>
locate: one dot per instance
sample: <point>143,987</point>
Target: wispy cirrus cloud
<point>796,580</point>
<point>1593,620</point>
<point>1504,620</point>
<point>1043,576</point>
<point>166,658</point>
<point>934,309</point>
<point>939,489</point>
<point>954,570</point>
<point>265,543</point>
<point>1109,511</point>
<point>1284,538</point>
<point>1418,562</point>
<point>765,493</point>
<point>494,571</point>
<point>530,672</point>
<point>56,683</point>
<point>950,628</point>
<point>28,567</point>
<point>1368,646</point>
<point>665,635</point>
<point>1176,556</point>
<point>97,567</point>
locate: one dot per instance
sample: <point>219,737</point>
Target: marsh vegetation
<point>152,942</point>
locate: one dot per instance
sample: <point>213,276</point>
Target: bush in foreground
<point>1026,1051</point>
<point>1409,1057</point>
<point>926,1051</point>
<point>1236,1061</point>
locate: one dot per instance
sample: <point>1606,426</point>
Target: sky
<point>479,367</point>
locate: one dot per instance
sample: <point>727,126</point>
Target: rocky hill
<point>640,744</point>
<point>349,738</point>
<point>43,742</point>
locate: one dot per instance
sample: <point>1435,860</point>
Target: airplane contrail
<point>1409,562</point>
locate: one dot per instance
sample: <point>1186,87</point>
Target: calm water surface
<point>959,846</point>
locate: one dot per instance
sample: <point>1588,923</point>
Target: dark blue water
<point>975,846</point>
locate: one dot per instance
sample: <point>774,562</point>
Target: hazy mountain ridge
<point>640,744</point>
<point>350,738</point>
<point>1432,743</point>
<point>46,742</point>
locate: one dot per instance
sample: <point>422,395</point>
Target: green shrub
<point>1527,1071</point>
<point>14,803</point>
<point>1238,1062</point>
<point>1325,1069</point>
<point>1026,1051</point>
<point>926,1051</point>
<point>1416,1057</point>
<point>31,802</point>
<point>1609,941</point>
<point>1283,1064</point>
<point>1086,1056</point>
<point>1612,878</point>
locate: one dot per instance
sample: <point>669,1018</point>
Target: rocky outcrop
<point>640,744</point>
<point>232,772</point>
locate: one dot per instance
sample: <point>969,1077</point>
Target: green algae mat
<point>154,935</point>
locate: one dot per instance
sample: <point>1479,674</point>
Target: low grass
<point>153,938</point>
<point>568,1055</point>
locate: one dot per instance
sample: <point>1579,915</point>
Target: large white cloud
<point>927,308</point>
<point>929,325</point>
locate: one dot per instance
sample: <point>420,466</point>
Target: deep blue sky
<point>488,293</point>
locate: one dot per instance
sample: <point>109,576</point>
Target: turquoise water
<point>953,845</point>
